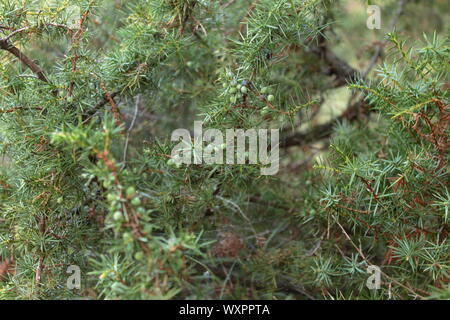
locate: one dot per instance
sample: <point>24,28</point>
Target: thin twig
<point>125,149</point>
<point>367,262</point>
<point>24,29</point>
<point>6,45</point>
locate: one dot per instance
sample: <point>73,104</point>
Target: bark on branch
<point>338,67</point>
<point>8,46</point>
<point>324,130</point>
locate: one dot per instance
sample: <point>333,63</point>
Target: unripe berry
<point>139,255</point>
<point>117,216</point>
<point>127,237</point>
<point>233,90</point>
<point>270,98</point>
<point>136,201</point>
<point>130,191</point>
<point>264,90</point>
<point>265,111</point>
<point>244,89</point>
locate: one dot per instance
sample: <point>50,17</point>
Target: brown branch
<point>344,73</point>
<point>113,104</point>
<point>6,45</point>
<point>337,66</point>
<point>88,115</point>
<point>324,130</point>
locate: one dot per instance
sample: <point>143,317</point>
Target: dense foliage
<point>87,107</point>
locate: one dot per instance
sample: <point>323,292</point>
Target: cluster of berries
<point>265,95</point>
<point>242,88</point>
<point>236,90</point>
<point>115,203</point>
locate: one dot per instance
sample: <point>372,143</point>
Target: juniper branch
<point>7,46</point>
